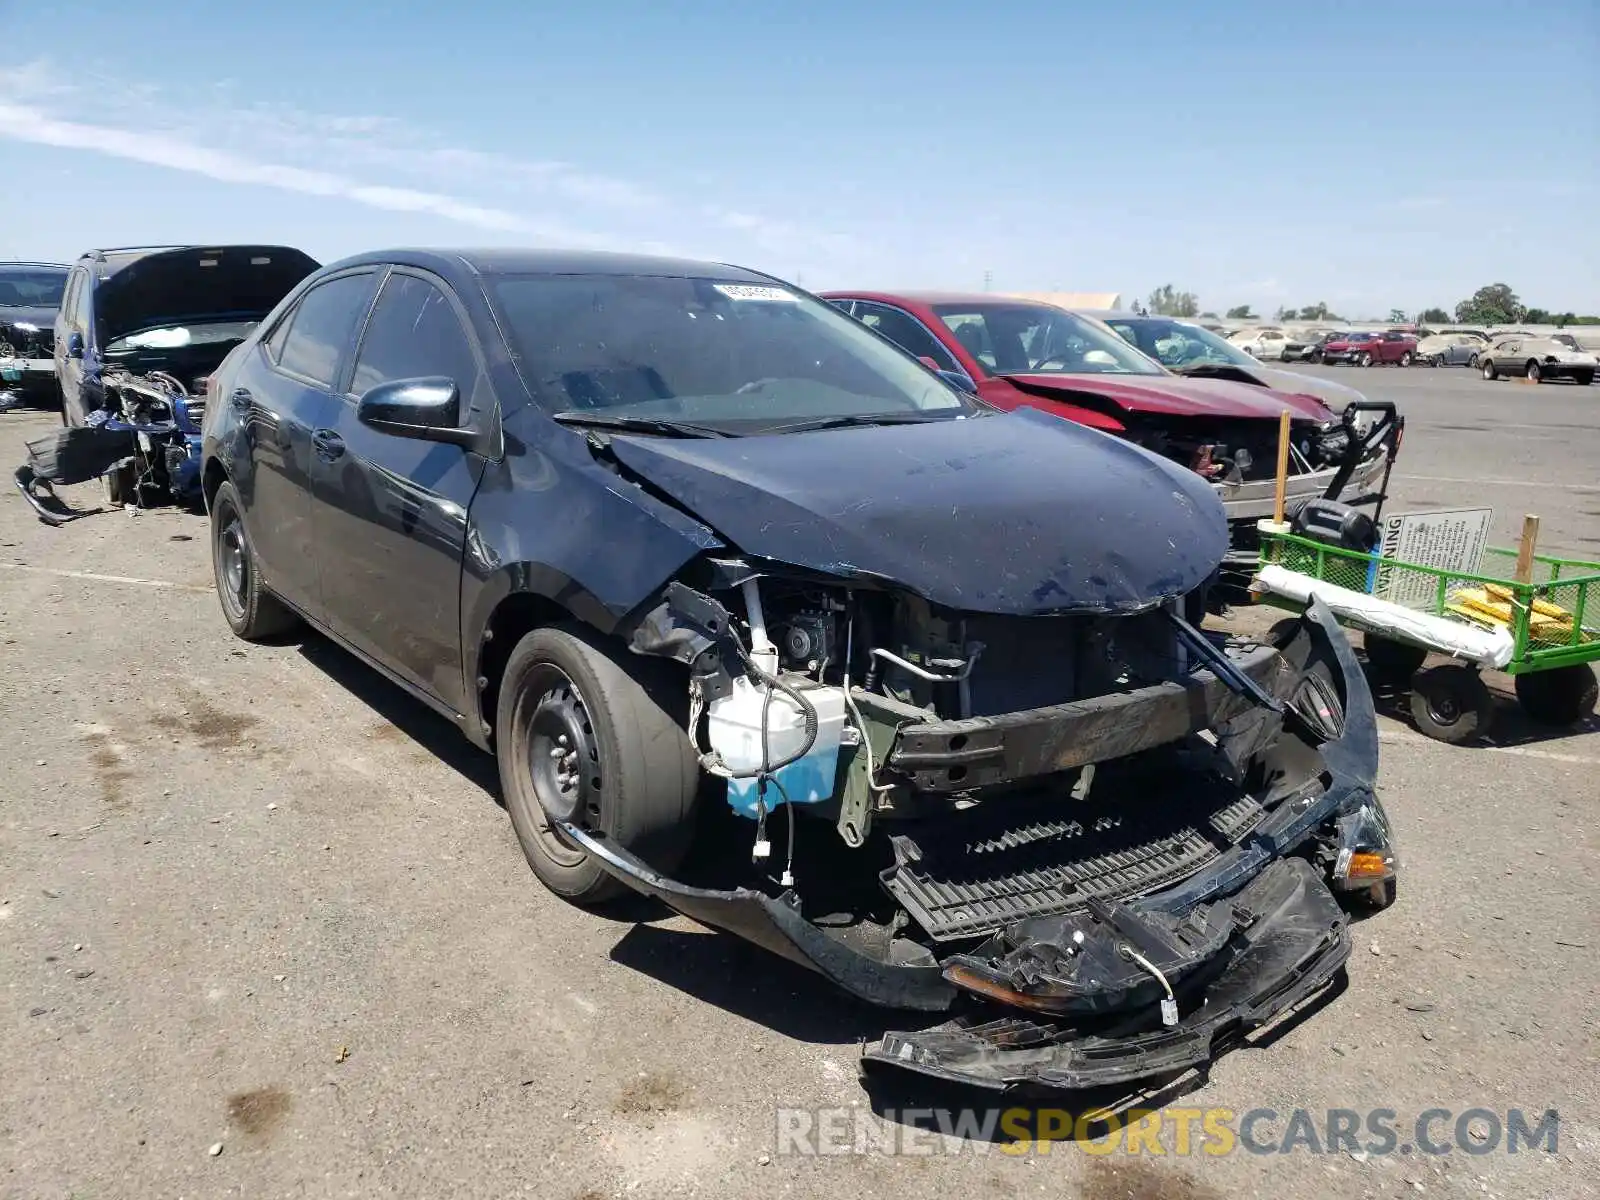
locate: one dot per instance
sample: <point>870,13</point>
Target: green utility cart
<point>1553,617</point>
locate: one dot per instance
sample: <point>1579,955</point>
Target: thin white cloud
<point>378,161</point>
<point>25,124</point>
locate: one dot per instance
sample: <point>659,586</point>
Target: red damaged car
<point>1368,349</point>
<point>1012,353</point>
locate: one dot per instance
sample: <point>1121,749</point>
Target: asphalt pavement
<point>265,930</point>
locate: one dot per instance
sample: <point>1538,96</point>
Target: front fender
<point>563,530</point>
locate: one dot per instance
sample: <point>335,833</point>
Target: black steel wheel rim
<point>1444,708</point>
<point>563,758</point>
<point>233,561</point>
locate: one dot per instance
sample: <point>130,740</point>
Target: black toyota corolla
<point>688,549</point>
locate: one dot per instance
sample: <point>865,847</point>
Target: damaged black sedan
<point>677,541</point>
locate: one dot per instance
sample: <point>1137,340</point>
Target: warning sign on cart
<point>1447,541</point>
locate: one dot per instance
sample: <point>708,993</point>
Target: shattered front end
<point>1103,845</point>
<point>980,760</point>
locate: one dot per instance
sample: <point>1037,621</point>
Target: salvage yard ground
<point>255,896</point>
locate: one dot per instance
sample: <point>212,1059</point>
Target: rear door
<point>281,393</point>
<point>391,512</point>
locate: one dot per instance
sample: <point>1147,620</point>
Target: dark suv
<point>171,309</point>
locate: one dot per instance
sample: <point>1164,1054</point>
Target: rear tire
<point>1451,703</point>
<point>629,771</point>
<point>1365,360</point>
<point>1560,696</point>
<point>1405,359</point>
<point>1489,372</point>
<point>252,612</point>
<point>1583,378</point>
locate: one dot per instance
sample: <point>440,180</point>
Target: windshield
<point>32,288</point>
<point>731,355</point>
<point>1567,340</point>
<point>1177,345</point>
<point>1361,337</point>
<point>1020,339</point>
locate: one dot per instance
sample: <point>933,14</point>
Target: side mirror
<point>74,345</point>
<point>958,379</point>
<point>428,409</point>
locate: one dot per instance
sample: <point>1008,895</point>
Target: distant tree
<point>1168,302</point>
<point>1494,304</point>
<point>1397,316</point>
<point>1241,313</point>
<point>1283,314</point>
<point>1538,316</point>
<point>1317,312</point>
<point>1433,316</point>
<point>1211,315</point>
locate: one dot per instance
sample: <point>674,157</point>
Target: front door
<point>391,512</point>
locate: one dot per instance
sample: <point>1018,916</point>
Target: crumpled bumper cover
<point>1289,954</point>
<point>1289,946</point>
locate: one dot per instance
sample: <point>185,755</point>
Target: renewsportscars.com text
<point>1166,1131</point>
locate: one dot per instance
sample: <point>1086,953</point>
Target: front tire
<point>1489,372</point>
<point>1583,378</point>
<point>1365,360</point>
<point>581,737</point>
<point>252,612</point>
<point>1405,359</point>
<point>1533,373</point>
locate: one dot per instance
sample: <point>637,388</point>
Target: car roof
<point>33,266</point>
<point>935,298</point>
<point>501,261</point>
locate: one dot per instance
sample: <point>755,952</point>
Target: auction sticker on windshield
<point>748,291</point>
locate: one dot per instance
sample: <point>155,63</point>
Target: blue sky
<point>1366,155</point>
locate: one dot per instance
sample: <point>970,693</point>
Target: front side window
<point>734,355</point>
<point>322,325</point>
<point>414,332</point>
<point>1017,339</point>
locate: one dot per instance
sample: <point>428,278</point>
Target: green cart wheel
<point>1559,696</point>
<point>1451,703</point>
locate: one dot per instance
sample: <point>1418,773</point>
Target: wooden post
<point>1283,468</point>
<point>1530,536</point>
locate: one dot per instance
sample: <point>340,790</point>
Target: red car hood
<point>1179,397</point>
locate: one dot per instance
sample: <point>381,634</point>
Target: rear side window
<point>905,331</point>
<point>414,332</point>
<point>323,324</point>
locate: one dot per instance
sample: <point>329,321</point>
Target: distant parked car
<point>1367,349</point>
<point>1272,344</point>
<point>1536,359</point>
<point>30,294</point>
<point>1450,350</point>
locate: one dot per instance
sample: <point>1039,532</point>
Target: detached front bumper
<point>1295,945</point>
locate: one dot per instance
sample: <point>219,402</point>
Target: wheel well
<point>513,618</point>
<point>214,477</point>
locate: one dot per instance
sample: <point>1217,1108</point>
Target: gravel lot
<point>255,896</point>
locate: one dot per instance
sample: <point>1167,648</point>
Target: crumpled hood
<point>1176,396</point>
<point>1335,395</point>
<point>197,283</point>
<point>1016,514</point>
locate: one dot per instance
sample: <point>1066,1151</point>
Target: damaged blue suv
<point>763,618</point>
